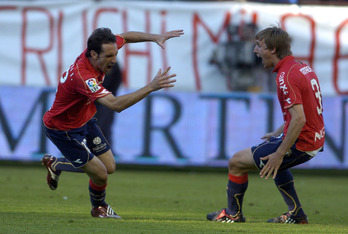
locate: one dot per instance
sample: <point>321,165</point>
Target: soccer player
<point>298,140</point>
<point>69,123</point>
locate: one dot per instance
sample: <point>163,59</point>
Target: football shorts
<point>292,158</point>
<point>81,144</point>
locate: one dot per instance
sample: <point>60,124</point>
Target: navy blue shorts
<point>81,144</point>
<point>292,158</point>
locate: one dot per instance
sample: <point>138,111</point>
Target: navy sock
<point>285,184</point>
<point>97,194</point>
<point>236,187</point>
<point>62,164</point>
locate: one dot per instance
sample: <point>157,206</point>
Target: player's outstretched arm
<point>132,36</point>
<point>120,103</point>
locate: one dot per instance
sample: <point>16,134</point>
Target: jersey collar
<point>89,66</point>
<point>283,61</point>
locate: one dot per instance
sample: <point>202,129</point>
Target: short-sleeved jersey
<point>297,83</point>
<point>77,90</point>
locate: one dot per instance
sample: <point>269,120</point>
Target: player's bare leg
<point>239,165</point>
<point>96,171</point>
<point>98,174</point>
<point>108,160</point>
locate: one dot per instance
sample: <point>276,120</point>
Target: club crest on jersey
<point>92,85</point>
<point>97,141</point>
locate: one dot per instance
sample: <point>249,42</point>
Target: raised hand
<point>163,80</point>
<point>161,38</point>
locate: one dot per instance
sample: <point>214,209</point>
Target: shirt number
<point>316,89</point>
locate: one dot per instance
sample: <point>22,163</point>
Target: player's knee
<point>233,163</point>
<point>101,178</point>
<point>111,168</point>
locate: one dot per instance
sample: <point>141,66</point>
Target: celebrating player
<point>298,140</point>
<point>69,123</point>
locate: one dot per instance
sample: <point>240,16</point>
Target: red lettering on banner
<point>39,52</point>
<point>163,30</point>
<point>146,53</point>
<point>6,8</point>
<point>196,22</point>
<point>310,58</point>
<point>60,47</point>
<point>99,12</point>
<point>55,19</point>
<point>124,71</point>
<point>84,28</point>
<point>95,25</point>
<point>241,23</point>
<point>338,56</point>
<point>254,18</point>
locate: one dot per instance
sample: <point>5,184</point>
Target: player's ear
<point>94,54</point>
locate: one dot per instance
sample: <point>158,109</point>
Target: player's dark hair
<point>99,37</point>
<point>276,38</point>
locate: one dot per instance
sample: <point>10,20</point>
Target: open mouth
<point>108,68</point>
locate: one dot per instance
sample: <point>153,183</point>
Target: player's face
<point>264,53</point>
<point>107,57</point>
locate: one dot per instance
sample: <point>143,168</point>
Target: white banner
<point>40,39</point>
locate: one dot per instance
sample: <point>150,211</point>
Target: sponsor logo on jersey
<point>92,85</point>
<point>319,135</point>
<point>282,85</point>
<point>306,70</point>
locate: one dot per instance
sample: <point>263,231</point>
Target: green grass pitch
<point>164,201</point>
